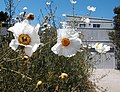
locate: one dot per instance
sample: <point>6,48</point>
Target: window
<point>96,25</point>
<point>4,25</point>
<point>82,25</point>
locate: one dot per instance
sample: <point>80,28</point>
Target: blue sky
<point>104,7</point>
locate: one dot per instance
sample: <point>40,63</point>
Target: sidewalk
<point>106,80</point>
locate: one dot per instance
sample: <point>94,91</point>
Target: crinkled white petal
<point>37,28</point>
<point>17,28</point>
<point>72,33</point>
<point>25,8</point>
<point>99,50</point>
<point>20,28</point>
<point>28,51</point>
<point>67,51</point>
<point>91,8</point>
<point>25,22</point>
<point>101,45</point>
<point>35,46</point>
<point>66,33</point>
<point>56,47</point>
<point>61,33</point>
<point>106,48</point>
<point>13,44</point>
<point>35,39</point>
<point>87,20</point>
<point>94,46</point>
<point>73,1</point>
<point>28,29</point>
<point>48,3</point>
<point>76,43</point>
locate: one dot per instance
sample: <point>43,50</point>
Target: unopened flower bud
<point>30,16</point>
<point>46,17</point>
<point>45,25</point>
<point>63,76</point>
<point>25,58</point>
<point>39,84</point>
<point>17,17</point>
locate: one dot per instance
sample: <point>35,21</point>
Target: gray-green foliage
<point>115,35</point>
<point>19,76</point>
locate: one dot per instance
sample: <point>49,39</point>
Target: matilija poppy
<point>86,20</point>
<point>73,1</point>
<point>91,8</point>
<point>100,48</point>
<point>68,42</point>
<point>25,35</point>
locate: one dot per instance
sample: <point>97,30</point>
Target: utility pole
<point>73,10</point>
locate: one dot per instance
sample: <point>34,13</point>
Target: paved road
<point>107,80</point>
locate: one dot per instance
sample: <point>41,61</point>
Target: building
<point>96,32</point>
<point>3,32</point>
<point>3,29</point>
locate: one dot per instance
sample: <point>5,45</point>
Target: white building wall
<point>91,35</point>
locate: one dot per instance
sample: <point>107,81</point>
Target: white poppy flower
<point>25,8</point>
<point>64,15</point>
<point>86,20</point>
<point>91,8</point>
<point>25,35</point>
<point>21,13</point>
<point>68,42</point>
<point>73,1</point>
<point>100,48</point>
<point>64,24</point>
<point>48,3</point>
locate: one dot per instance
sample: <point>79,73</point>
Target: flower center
<point>65,41</point>
<point>45,25</point>
<point>24,39</point>
<point>97,46</point>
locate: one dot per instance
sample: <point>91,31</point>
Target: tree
<point>4,16</point>
<point>10,8</point>
<point>115,36</point>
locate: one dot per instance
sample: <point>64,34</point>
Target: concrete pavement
<point>106,80</point>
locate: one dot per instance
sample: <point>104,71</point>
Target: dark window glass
<point>82,25</point>
<point>96,25</point>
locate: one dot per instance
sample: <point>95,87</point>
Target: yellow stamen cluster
<point>65,41</point>
<point>97,46</point>
<point>24,39</point>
